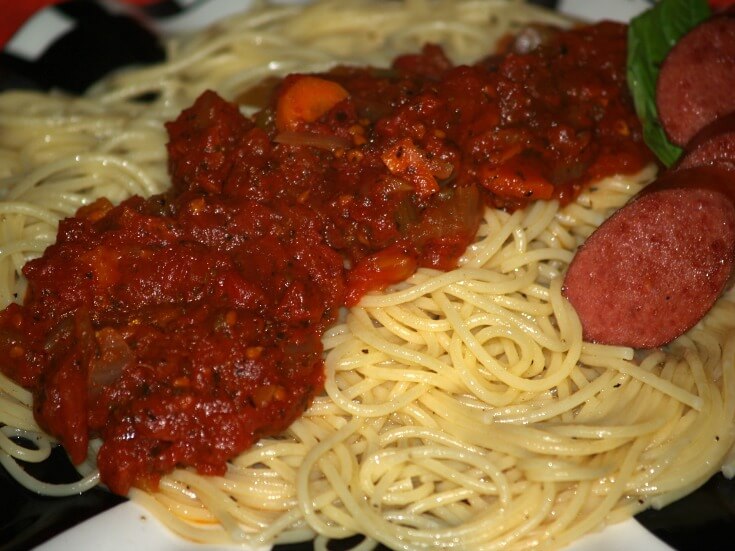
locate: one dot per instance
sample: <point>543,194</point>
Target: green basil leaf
<point>650,37</point>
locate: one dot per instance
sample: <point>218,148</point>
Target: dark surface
<point>27,519</point>
<point>99,42</point>
<point>702,520</point>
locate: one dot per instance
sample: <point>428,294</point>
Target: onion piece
<point>114,355</point>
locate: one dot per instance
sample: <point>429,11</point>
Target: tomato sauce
<point>183,327</point>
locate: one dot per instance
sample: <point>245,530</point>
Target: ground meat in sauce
<point>183,327</point>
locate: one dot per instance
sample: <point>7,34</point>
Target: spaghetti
<point>462,409</point>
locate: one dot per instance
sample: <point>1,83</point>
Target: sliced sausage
<point>696,83</point>
<point>656,266</point>
<point>713,145</point>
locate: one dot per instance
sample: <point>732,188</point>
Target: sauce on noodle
<point>183,327</point>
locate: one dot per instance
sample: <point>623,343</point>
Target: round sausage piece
<point>713,145</point>
<point>696,83</point>
<point>655,267</point>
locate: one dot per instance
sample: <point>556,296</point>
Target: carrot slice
<point>305,99</point>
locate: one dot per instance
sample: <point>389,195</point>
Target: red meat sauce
<point>183,327</point>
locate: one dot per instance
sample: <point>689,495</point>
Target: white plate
<point>128,526</point>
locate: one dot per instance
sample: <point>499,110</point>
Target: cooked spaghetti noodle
<point>462,409</point>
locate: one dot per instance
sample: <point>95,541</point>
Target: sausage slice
<point>696,82</point>
<point>713,145</point>
<point>656,266</point>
